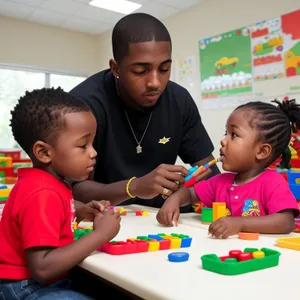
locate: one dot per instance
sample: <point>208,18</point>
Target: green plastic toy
<point>213,263</point>
<point>79,233</point>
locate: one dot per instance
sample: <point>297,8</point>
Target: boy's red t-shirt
<point>39,212</point>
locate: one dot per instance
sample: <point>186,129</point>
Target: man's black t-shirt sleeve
<point>195,143</point>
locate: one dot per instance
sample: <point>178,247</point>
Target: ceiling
<point>78,15</point>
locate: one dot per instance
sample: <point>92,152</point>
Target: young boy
<point>36,230</point>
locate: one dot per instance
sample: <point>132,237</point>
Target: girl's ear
<point>263,151</point>
<point>42,152</point>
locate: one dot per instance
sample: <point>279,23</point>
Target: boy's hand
<point>90,209</point>
<point>169,212</point>
<point>225,227</point>
<point>107,224</point>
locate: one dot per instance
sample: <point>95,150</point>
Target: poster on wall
<point>285,42</point>
<point>267,50</point>
<point>257,62</point>
<point>225,64</point>
<point>291,31</point>
<point>185,70</point>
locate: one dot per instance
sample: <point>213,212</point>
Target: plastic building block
<point>191,171</point>
<point>213,263</point>
<point>231,260</point>
<point>289,243</point>
<point>79,233</point>
<point>153,245</point>
<point>155,236</point>
<point>164,244</point>
<point>142,213</point>
<point>4,193</point>
<point>178,256</point>
<point>258,254</point>
<point>245,256</point>
<point>219,210</point>
<point>185,240</point>
<point>248,236</point>
<point>190,180</point>
<point>175,241</point>
<point>235,253</point>
<point>207,215</point>
<point>150,243</point>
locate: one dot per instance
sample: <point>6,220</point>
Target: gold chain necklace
<point>139,148</point>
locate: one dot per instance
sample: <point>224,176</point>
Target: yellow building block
<point>219,210</point>
<point>175,241</point>
<point>153,246</point>
<point>258,254</point>
<point>4,193</point>
<point>122,210</point>
<point>145,213</point>
<point>6,161</point>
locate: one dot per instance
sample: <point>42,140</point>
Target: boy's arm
<point>41,219</point>
<point>46,263</point>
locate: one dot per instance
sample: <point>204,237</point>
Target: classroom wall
<point>47,47</point>
<point>207,19</point>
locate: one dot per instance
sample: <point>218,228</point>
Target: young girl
<point>256,134</point>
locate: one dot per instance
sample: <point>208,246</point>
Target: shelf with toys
<point>10,161</point>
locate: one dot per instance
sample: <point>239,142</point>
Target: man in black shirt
<point>144,121</point>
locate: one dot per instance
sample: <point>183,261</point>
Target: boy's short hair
<point>38,115</point>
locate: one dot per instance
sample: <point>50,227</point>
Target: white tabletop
<point>151,276</point>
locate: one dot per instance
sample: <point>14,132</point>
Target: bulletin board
<point>260,61</point>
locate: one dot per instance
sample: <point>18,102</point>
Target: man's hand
<point>90,209</point>
<point>225,227</point>
<point>164,180</point>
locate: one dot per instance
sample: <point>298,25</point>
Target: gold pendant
<point>138,149</point>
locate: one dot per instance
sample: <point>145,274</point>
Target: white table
<point>151,276</point>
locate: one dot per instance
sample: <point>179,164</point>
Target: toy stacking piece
<point>149,243</point>
<point>190,180</point>
<point>178,257</point>
<point>248,236</point>
<point>123,212</point>
<point>289,243</point>
<point>4,193</point>
<point>209,215</point>
<point>239,262</point>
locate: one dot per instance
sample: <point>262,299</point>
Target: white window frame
<point>47,72</point>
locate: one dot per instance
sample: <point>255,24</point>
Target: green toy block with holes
<point>213,263</point>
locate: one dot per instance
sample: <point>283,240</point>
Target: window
<point>14,82</point>
<point>66,82</point>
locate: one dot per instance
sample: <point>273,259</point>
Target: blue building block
<point>155,236</point>
<point>191,172</point>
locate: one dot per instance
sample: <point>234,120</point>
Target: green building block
<point>79,233</point>
<point>207,215</point>
<point>213,263</point>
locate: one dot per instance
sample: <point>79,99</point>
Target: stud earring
<point>118,77</point>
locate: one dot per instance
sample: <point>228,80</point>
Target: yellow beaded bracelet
<point>127,187</point>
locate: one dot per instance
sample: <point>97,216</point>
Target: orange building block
<point>219,210</point>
